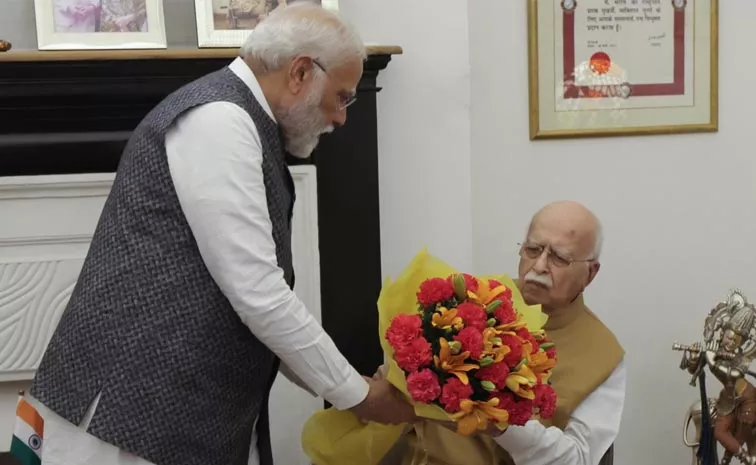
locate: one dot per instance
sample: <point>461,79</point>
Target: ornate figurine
<point>728,346</point>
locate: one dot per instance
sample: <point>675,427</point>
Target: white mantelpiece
<point>46,224</point>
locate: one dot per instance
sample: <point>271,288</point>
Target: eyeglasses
<point>534,251</point>
<point>345,99</point>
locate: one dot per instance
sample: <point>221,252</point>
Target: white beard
<point>303,124</point>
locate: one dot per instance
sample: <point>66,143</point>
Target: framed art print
<point>621,67</point>
<point>100,24</point>
<point>227,23</point>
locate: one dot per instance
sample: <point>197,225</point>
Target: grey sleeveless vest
<point>182,379</point>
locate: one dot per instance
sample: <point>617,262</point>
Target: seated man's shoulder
<point>599,332</point>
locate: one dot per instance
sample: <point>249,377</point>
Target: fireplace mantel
<point>71,113</point>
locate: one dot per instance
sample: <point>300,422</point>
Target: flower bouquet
<point>463,349</point>
<point>469,352</point>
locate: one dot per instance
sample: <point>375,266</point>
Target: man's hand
<point>381,373</point>
<point>384,404</point>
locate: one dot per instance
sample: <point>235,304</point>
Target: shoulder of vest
<point>604,337</point>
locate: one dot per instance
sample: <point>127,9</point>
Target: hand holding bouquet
<point>468,351</point>
<point>461,348</point>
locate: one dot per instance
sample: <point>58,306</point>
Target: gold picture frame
<point>596,98</point>
<point>228,23</point>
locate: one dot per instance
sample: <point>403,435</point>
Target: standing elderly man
<point>558,260</point>
<point>172,337</point>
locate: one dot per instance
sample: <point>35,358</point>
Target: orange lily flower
<point>513,326</point>
<point>445,319</point>
<point>454,364</point>
<point>476,415</point>
<point>485,295</point>
<point>493,347</point>
<point>522,382</point>
<point>540,363</point>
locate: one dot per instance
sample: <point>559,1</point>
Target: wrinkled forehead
<point>563,234</point>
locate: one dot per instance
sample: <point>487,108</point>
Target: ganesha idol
<point>726,351</point>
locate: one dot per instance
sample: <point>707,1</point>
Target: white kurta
<point>215,157</point>
<point>592,428</point>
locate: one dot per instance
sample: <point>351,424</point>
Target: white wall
<point>678,213</point>
<point>677,210</point>
<point>423,127</point>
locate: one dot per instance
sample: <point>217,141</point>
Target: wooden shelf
<point>163,54</point>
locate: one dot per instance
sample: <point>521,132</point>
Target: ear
<point>300,72</point>
<point>592,272</point>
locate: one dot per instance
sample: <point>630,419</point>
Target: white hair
<point>303,28</point>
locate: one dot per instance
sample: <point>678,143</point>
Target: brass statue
<point>728,346</point>
<point>694,415</point>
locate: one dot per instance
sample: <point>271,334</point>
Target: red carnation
<point>551,352</point>
<point>453,393</point>
<point>513,358</point>
<point>528,337</point>
<point>496,373</point>
<point>433,291</point>
<point>545,400</point>
<point>471,340</point>
<point>414,355</point>
<point>520,410</point>
<point>403,330</point>
<point>505,295</point>
<point>472,315</point>
<point>423,386</point>
<point>505,313</point>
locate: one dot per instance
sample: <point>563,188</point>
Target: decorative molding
<point>45,240</point>
<point>371,49</point>
<point>55,186</point>
<point>33,296</point>
<point>305,244</point>
<point>35,289</point>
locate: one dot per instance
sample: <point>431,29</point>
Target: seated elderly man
<point>559,259</point>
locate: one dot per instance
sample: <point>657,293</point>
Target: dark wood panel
<point>66,117</point>
<point>7,459</point>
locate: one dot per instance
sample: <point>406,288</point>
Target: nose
<point>542,262</point>
<point>339,118</point>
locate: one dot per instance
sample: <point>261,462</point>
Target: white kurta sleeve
<point>593,427</point>
<point>215,158</point>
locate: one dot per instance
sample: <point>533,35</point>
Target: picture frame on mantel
<point>227,23</point>
<point>100,24</point>
<point>626,67</point>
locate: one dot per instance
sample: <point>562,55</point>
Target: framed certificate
<point>622,67</point>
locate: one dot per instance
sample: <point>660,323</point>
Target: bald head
<point>574,222</point>
<point>559,257</point>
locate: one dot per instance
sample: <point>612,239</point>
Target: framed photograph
<point>622,67</point>
<point>100,24</point>
<point>227,23</point>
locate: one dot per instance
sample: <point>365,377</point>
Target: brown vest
<point>587,353</point>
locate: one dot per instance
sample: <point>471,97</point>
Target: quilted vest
<point>182,379</point>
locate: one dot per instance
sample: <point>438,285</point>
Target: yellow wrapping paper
<point>333,437</point>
